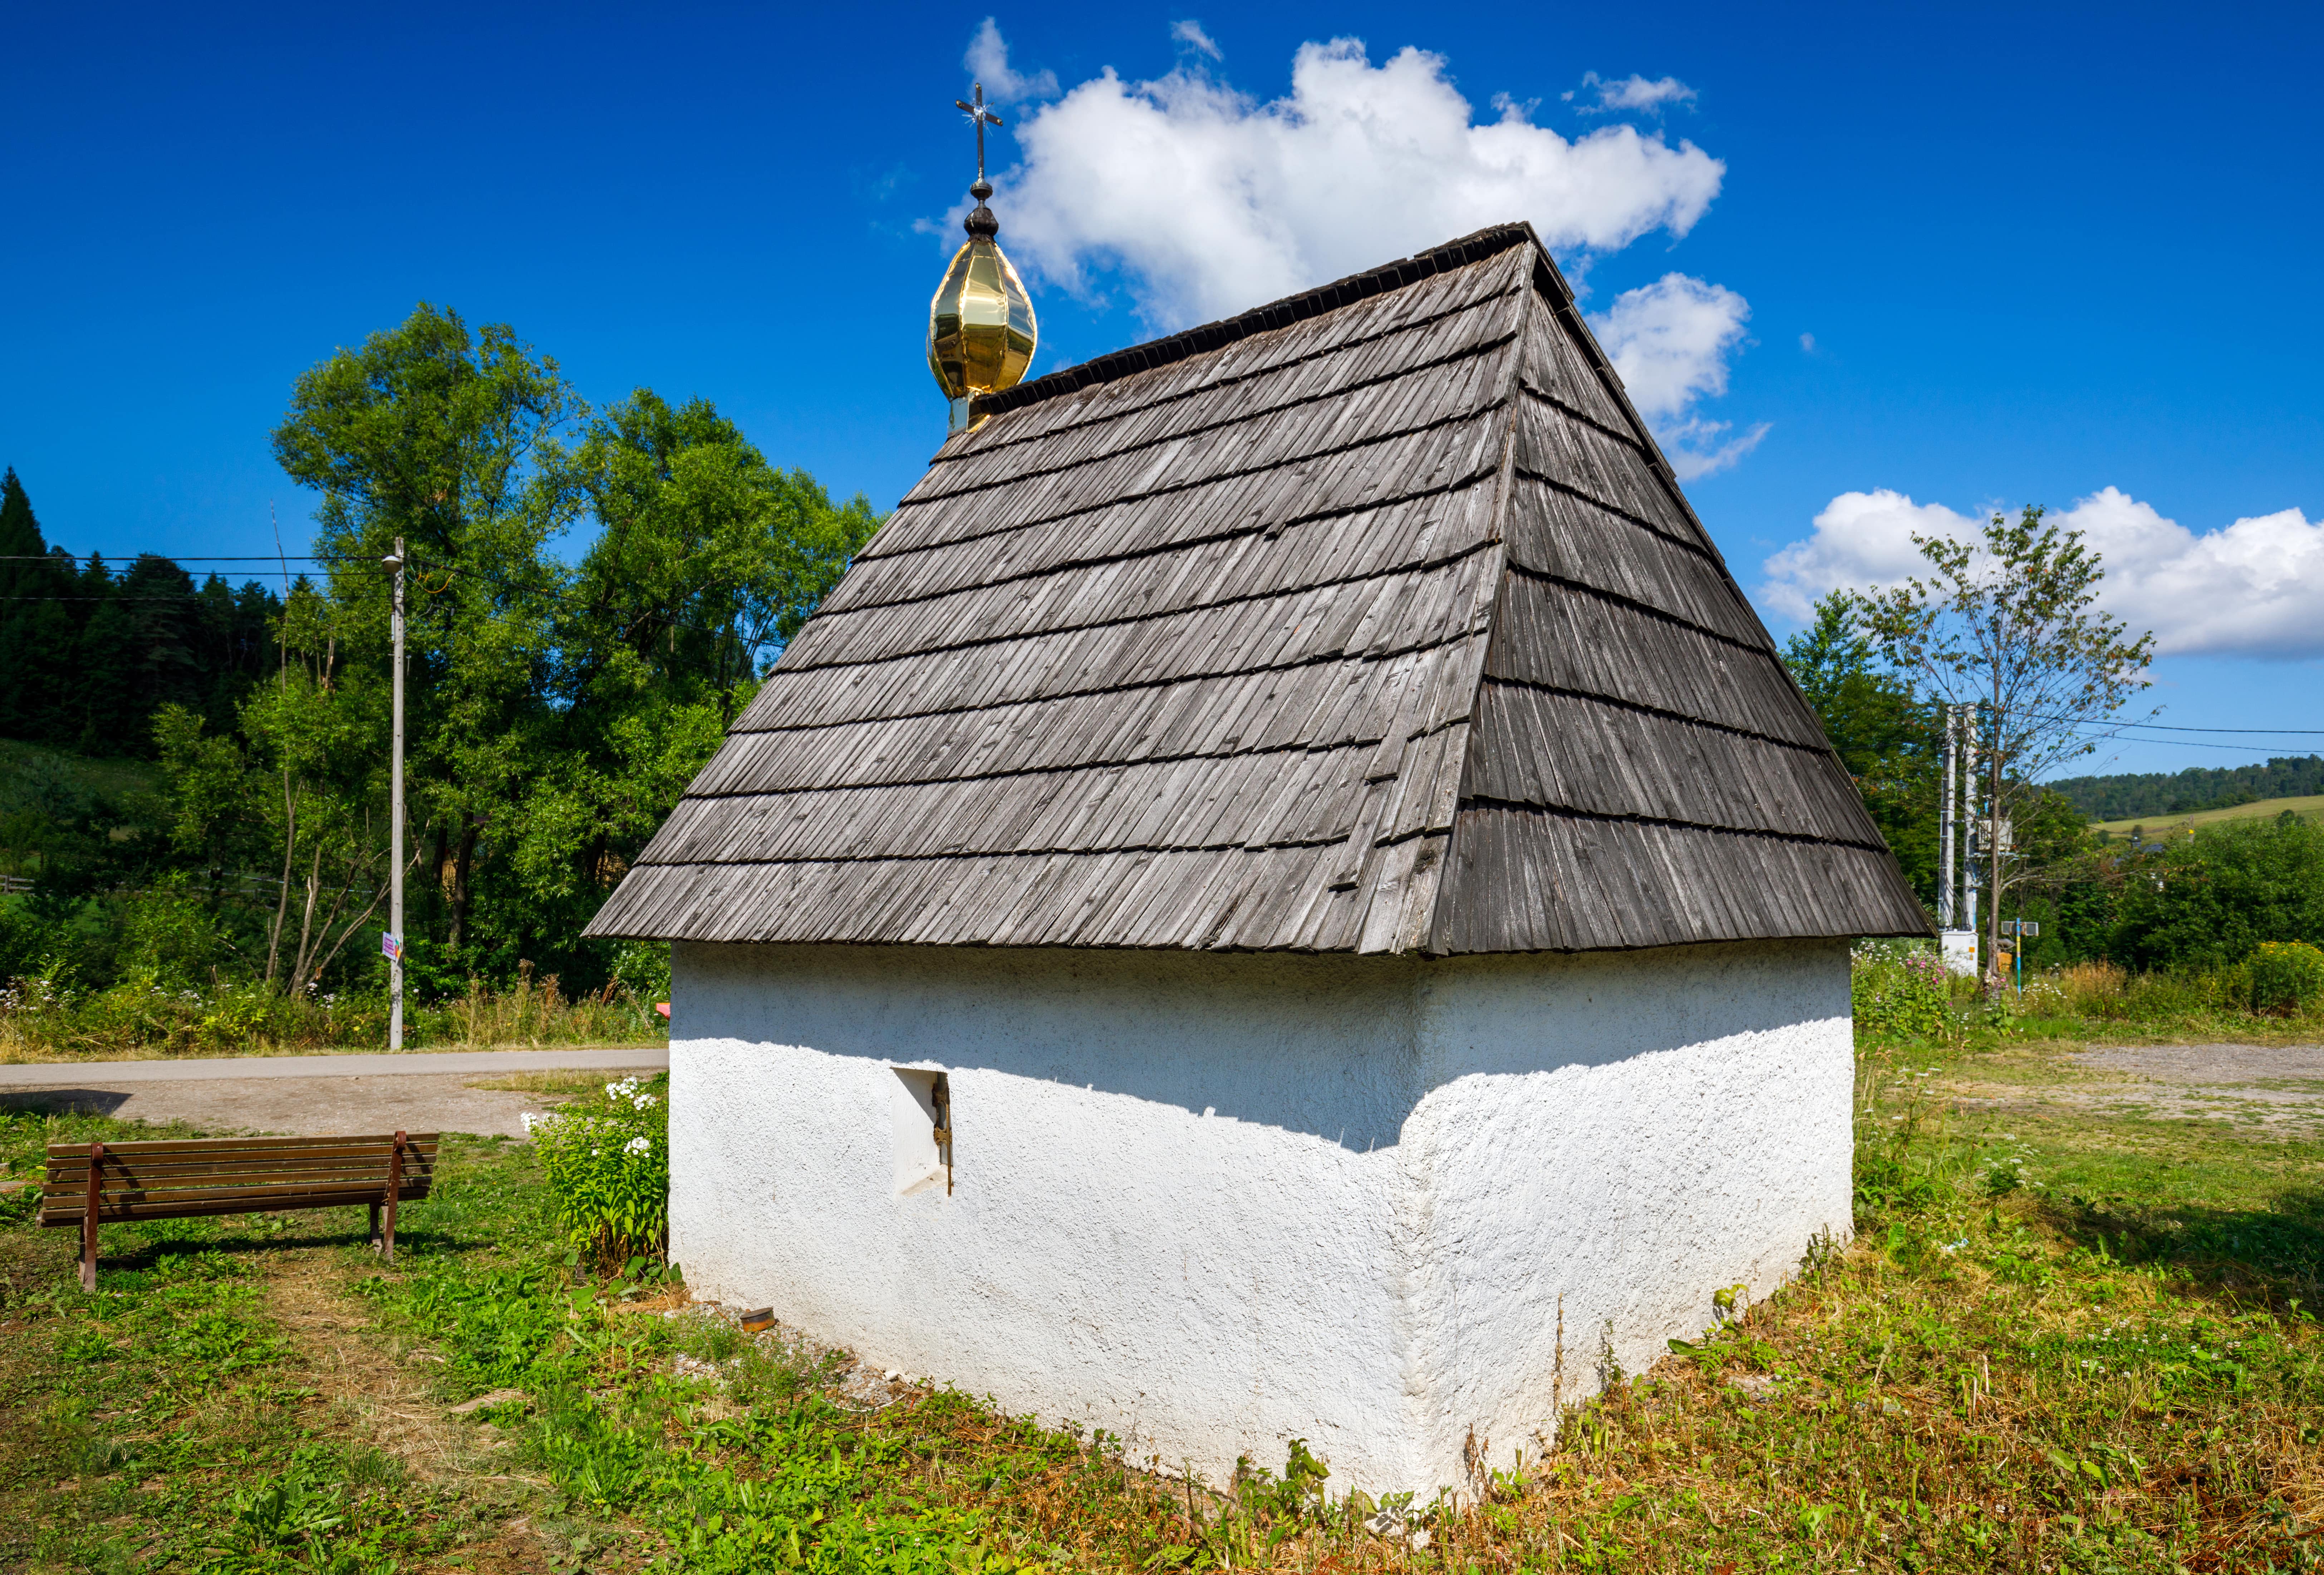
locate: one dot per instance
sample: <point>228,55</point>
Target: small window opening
<point>923,1135</point>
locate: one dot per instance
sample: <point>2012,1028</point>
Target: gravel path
<point>307,1096</point>
<point>2276,1085</point>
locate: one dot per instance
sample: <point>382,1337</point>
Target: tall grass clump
<point>2285,976</point>
<point>51,1015</point>
<point>607,1161</point>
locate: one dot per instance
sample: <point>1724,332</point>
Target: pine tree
<point>36,631</point>
<point>20,533</point>
<point>103,709</point>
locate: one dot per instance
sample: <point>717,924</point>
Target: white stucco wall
<point>1210,1204</point>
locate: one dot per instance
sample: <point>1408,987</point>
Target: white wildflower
<point>636,1145</point>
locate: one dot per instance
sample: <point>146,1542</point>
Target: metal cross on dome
<point>982,117</point>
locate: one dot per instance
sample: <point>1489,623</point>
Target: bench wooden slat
<point>153,1175</point>
<point>117,1188</point>
<point>252,1205</point>
<point>271,1150</point>
<point>68,1207</point>
<point>203,1144</point>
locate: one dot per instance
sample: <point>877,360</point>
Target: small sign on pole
<point>391,945</point>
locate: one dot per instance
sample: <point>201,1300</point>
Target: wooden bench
<point>96,1184</point>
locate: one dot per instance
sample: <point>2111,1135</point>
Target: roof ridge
<point>1147,444</point>
<point>1002,439</point>
<point>1442,873</point>
<point>1277,313</point>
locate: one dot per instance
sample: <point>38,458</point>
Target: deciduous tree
<point>1887,738</point>
<point>2010,624</point>
<point>450,441</point>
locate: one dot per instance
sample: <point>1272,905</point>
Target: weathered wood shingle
<point>1370,621</point>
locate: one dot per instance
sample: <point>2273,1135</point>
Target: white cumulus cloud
<point>1631,92</point>
<point>1670,340</point>
<point>2252,588</point>
<point>1210,201</point>
<point>988,61</point>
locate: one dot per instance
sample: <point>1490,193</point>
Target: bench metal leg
<point>375,1227</point>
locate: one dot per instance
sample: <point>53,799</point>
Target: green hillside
<point>28,772</point>
<point>2134,795</point>
<point>2309,806</point>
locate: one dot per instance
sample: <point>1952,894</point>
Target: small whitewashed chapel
<point>1286,894</point>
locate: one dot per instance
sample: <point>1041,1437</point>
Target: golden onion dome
<point>981,329</point>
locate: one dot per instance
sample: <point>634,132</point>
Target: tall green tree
<point>2009,623</point>
<point>556,710</point>
<point>707,559</point>
<point>448,441</point>
<point>1889,740</point>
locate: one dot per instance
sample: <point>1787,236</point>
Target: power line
<point>171,557</point>
<point>2196,743</point>
<point>2173,727</point>
<point>2108,729</point>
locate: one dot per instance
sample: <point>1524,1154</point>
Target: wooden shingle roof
<point>1369,621</point>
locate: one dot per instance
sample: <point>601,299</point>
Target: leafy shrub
<point>2208,899</point>
<point>607,1160</point>
<point>24,939</point>
<point>170,934</point>
<point>642,968</point>
<point>1899,991</point>
<point>2285,975</point>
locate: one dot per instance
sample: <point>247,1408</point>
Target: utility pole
<point>1994,823</point>
<point>1968,790</point>
<point>1947,886</point>
<point>393,943</point>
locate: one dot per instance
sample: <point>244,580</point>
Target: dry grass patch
<point>552,1084</point>
<point>367,1387</point>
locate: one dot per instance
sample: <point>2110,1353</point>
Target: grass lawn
<point>2062,1340</point>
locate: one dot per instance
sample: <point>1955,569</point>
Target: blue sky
<point>1955,256</point>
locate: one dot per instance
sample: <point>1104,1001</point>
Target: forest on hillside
<point>2193,790</point>
<point>91,652</point>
